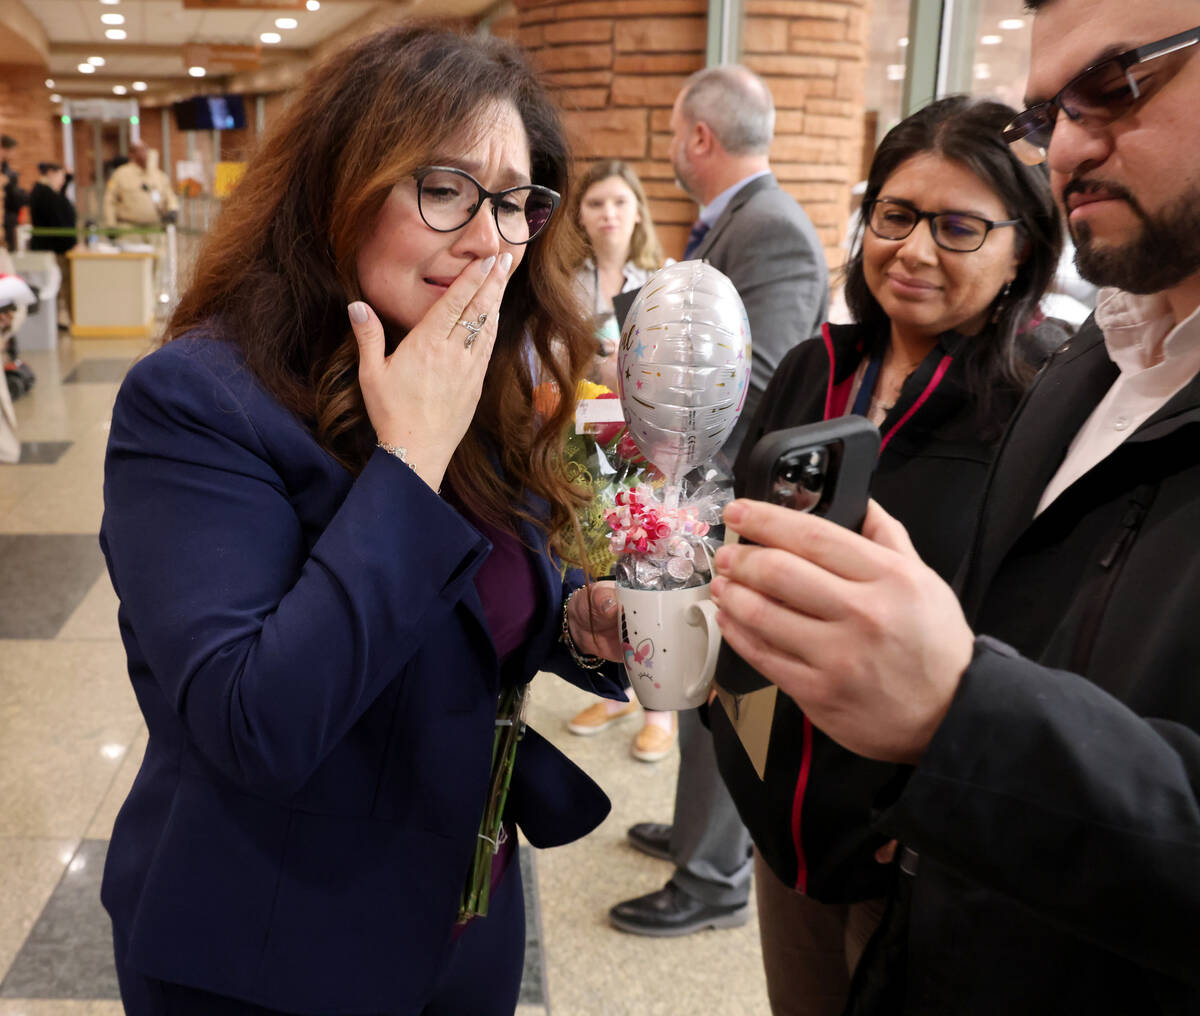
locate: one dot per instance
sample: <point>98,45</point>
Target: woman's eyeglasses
<point>448,199</point>
<point>955,231</point>
<point>1103,93</point>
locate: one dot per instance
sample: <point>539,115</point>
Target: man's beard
<point>1164,252</point>
<point>684,181</point>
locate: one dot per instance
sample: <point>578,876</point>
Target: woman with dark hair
<point>336,543</point>
<point>960,241</point>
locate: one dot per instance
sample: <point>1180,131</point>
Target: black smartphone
<point>823,468</point>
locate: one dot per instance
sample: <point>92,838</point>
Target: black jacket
<point>1056,810</point>
<point>812,815</point>
<point>49,208</point>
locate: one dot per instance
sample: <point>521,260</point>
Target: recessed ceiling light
<point>1012,24</point>
<point>983,71</point>
<point>270,37</point>
<point>286,22</point>
<point>991,40</point>
<point>313,5</point>
<point>49,82</point>
<point>112,19</point>
<point>96,61</point>
<point>119,89</point>
<point>56,97</point>
<point>86,68</point>
<point>140,86</point>
<point>903,43</point>
<point>117,34</point>
<point>895,72</point>
<point>196,72</point>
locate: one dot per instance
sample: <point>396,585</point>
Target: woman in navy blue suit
<point>335,526</point>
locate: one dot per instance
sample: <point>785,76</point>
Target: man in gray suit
<point>756,234</point>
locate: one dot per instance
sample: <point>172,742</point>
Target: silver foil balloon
<point>684,366</point>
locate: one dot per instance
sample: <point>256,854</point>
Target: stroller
<point>15,295</point>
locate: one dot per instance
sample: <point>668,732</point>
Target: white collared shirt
<point>1156,358</point>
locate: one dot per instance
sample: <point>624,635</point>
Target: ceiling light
<point>110,3</point>
<point>1012,24</point>
<point>196,72</point>
<point>49,82</point>
<point>96,61</point>
<point>86,68</point>
<point>895,72</point>
<point>903,43</point>
<point>119,89</point>
<point>991,40</point>
<point>56,97</point>
<point>271,37</point>
<point>116,34</point>
<point>286,22</point>
<point>983,71</point>
<point>313,5</point>
<point>140,86</point>
<point>112,19</point>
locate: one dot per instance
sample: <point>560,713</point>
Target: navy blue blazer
<point>319,683</point>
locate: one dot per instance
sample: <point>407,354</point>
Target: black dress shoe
<point>652,838</point>
<point>671,911</point>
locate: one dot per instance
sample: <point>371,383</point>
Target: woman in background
<point>621,247</point>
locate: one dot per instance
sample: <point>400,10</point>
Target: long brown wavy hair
<point>276,272</point>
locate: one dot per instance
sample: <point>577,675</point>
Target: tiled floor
<point>71,738</point>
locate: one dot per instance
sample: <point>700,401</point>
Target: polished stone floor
<point>71,739</point>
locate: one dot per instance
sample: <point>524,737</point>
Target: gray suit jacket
<point>769,249</point>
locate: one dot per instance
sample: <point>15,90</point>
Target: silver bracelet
<point>587,662</point>
<point>398,450</point>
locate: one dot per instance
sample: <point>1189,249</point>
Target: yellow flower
<point>590,390</point>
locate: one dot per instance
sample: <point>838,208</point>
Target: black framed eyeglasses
<point>448,199</point>
<point>1097,96</point>
<point>961,232</point>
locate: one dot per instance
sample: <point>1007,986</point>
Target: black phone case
<point>852,445</point>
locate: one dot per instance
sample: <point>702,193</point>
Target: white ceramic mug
<point>670,638</point>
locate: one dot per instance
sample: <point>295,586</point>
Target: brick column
<point>620,63</point>
<point>812,54</point>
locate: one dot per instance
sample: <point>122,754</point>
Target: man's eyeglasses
<point>955,231</point>
<point>448,199</point>
<point>1104,92</point>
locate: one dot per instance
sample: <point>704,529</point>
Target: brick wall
<point>812,54</point>
<point>27,114</point>
<point>618,65</point>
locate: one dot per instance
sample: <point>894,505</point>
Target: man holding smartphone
<point>1052,818</point>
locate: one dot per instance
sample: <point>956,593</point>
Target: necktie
<point>695,238</point>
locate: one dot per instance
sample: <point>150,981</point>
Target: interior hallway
<point>71,738</point>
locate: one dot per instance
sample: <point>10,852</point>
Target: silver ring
<point>473,329</point>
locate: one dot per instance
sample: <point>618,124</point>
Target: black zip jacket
<point>1056,810</point>
<point>811,816</point>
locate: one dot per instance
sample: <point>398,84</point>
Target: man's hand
<point>866,638</point>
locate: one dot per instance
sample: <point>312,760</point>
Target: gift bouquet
<point>601,456</point>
